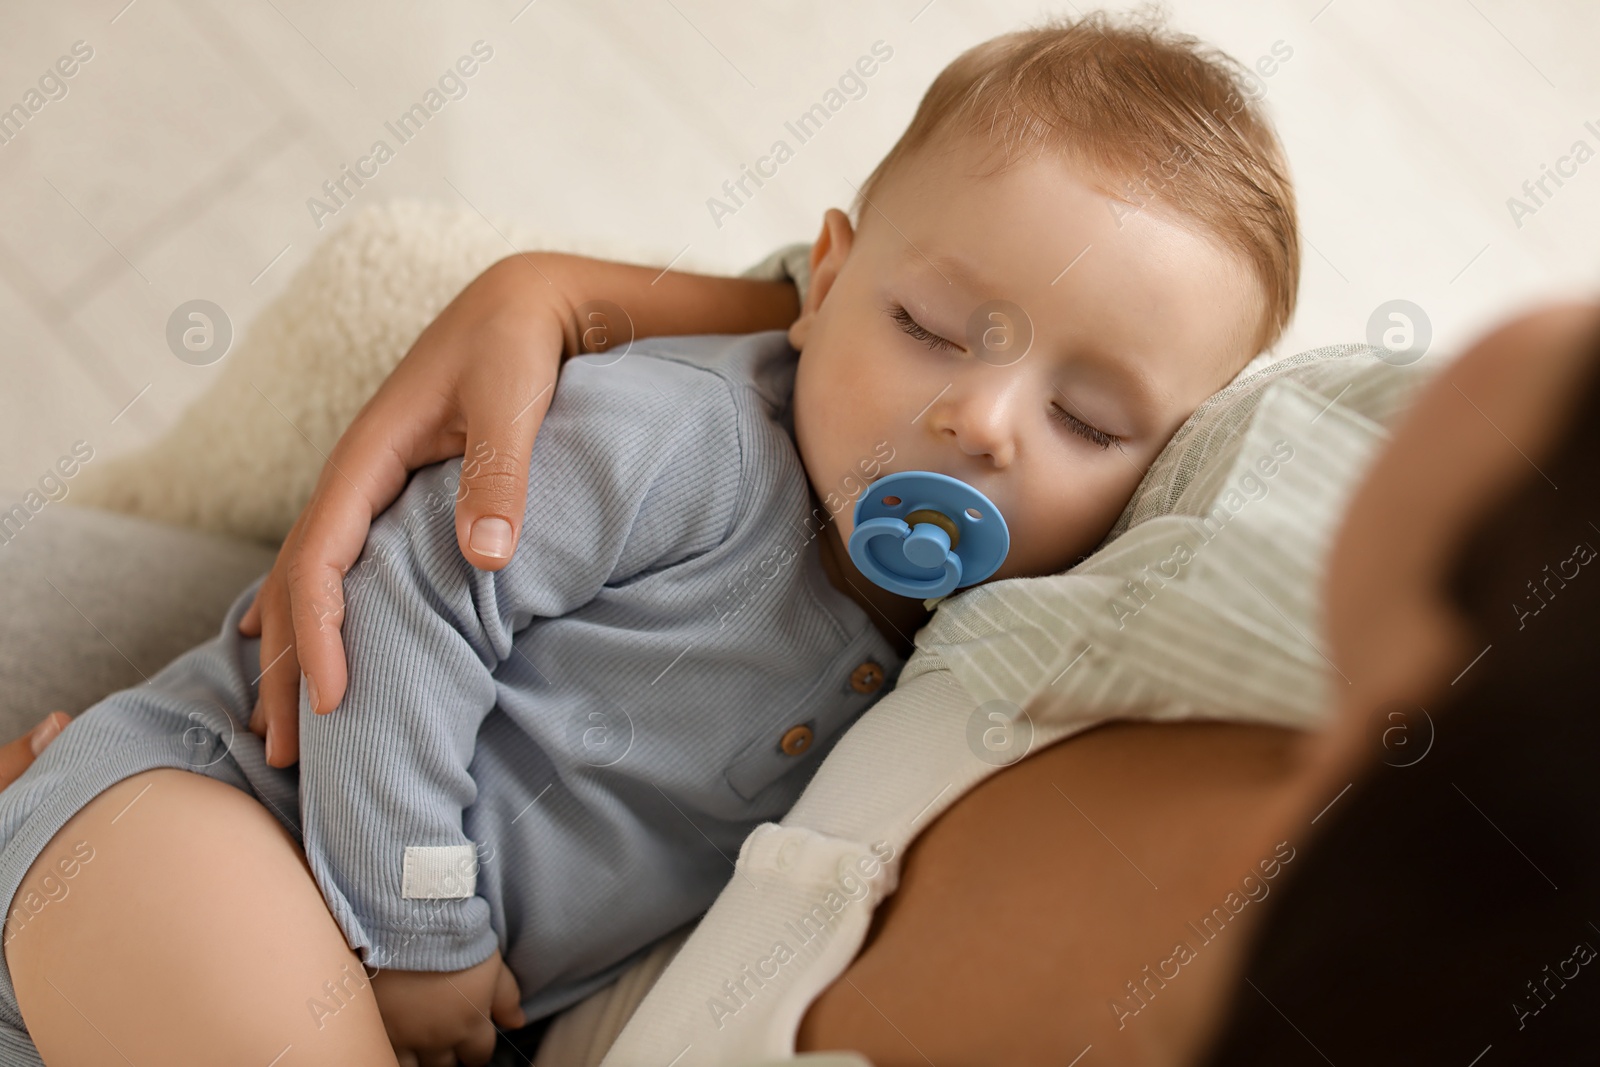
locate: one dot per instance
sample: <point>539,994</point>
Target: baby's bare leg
<point>188,931</point>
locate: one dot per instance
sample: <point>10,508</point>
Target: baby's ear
<point>828,254</point>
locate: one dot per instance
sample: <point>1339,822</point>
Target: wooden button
<point>796,741</point>
<point>866,678</point>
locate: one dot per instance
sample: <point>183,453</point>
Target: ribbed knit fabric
<point>595,728</point>
<point>601,720</point>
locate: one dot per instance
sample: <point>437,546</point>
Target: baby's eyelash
<point>1081,428</point>
<point>912,328</point>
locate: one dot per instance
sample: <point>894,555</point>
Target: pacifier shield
<point>925,534</point>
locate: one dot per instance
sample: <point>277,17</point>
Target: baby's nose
<point>981,426</point>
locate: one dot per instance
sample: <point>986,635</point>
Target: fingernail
<point>491,536</point>
<point>43,734</point>
<point>311,691</point>
<point>269,744</point>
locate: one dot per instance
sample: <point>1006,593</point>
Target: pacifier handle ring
<point>900,532</point>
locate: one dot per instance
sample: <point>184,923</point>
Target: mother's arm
<point>1025,912</point>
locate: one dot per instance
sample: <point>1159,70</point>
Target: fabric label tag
<point>439,872</point>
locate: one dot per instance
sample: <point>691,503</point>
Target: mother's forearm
<point>654,302</point>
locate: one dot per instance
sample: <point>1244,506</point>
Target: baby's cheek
<point>1047,546</point>
<point>1061,531</point>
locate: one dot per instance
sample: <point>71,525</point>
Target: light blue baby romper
<point>559,759</point>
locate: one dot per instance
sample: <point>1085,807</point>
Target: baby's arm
<point>633,471</point>
<point>477,381</point>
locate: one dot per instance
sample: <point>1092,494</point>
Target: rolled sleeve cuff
<point>421,947</point>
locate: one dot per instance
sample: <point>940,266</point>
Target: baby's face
<point>1150,319</point>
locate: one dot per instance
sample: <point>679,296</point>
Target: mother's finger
<point>19,755</point>
<point>364,474</point>
<point>278,688</point>
<point>503,417</point>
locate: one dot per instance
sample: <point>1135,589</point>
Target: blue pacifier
<point>924,534</point>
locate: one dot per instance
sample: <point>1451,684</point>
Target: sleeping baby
<point>553,765</point>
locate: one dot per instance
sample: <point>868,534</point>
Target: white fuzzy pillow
<point>244,458</point>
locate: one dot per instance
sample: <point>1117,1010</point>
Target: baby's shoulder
<point>732,372</point>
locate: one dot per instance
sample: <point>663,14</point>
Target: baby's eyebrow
<point>952,268</point>
<point>1129,380</point>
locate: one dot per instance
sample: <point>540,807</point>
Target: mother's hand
<point>481,374</point>
<point>477,382</point>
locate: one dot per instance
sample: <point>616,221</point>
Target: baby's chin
<point>1055,561</point>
